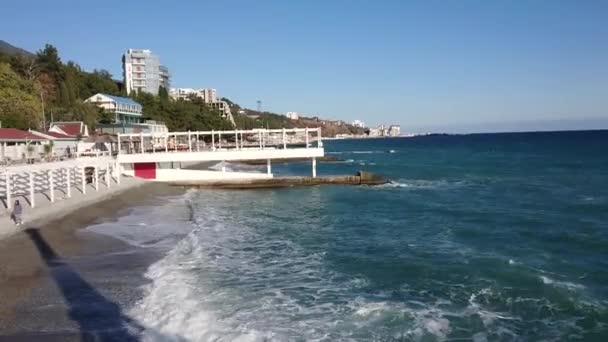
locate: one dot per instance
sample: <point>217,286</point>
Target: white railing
<point>210,141</point>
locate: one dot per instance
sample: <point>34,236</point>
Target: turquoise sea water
<point>498,237</point>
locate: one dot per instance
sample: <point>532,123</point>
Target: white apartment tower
<point>143,72</point>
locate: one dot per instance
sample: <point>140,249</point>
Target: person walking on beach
<point>17,213</point>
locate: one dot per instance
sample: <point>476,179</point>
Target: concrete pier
<point>361,178</point>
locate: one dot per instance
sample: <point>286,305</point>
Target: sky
<point>430,66</point>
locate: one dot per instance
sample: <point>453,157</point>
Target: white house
<point>292,115</point>
<point>125,110</point>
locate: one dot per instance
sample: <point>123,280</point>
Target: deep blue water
<point>490,237</point>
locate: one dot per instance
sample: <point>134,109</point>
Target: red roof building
<point>13,135</point>
<point>72,128</point>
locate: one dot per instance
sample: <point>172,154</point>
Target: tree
<point>20,106</point>
<point>49,61</point>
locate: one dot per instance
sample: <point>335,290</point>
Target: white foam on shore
<point>154,225</point>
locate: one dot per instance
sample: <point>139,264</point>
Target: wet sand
<point>58,282</point>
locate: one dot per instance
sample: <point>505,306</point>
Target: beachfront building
<point>67,137</point>
<point>18,146</point>
<point>142,71</point>
<point>148,126</point>
<point>124,109</point>
<point>292,115</point>
<point>71,129</point>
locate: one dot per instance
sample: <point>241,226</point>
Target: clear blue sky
<point>427,65</point>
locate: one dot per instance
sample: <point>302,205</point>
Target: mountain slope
<point>8,49</point>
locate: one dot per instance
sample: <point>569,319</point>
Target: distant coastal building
<point>124,109</point>
<point>394,131</point>
<point>208,95</point>
<point>358,123</point>
<point>382,131</point>
<point>292,115</point>
<point>142,71</point>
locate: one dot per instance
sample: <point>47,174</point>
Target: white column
<point>167,142</point>
<point>268,167</point>
<point>306,137</point>
<point>236,139</point>
<point>83,180</point>
<point>141,142</point>
<point>314,167</point>
<point>69,181</point>
<point>198,143</point>
<point>51,186</point>
<point>219,137</point>
<point>108,183</point>
<point>213,140</point>
<point>189,142</point>
<point>32,193</point>
<point>319,140</point>
<point>9,205</point>
<point>260,139</point>
<point>117,170</point>
<point>96,175</point>
<point>284,142</point>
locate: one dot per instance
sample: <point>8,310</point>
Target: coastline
<point>46,211</point>
<point>34,300</point>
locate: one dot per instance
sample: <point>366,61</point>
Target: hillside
<point>255,119</point>
<point>33,84</point>
<point>10,50</point>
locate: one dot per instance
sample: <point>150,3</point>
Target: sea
<point>483,237</point>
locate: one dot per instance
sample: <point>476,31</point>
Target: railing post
<point>212,140</point>
<point>9,203</point>
<point>96,174</point>
<point>189,141</point>
<point>83,180</point>
<point>117,170</point>
<point>314,167</point>
<point>268,167</point>
<point>51,185</point>
<point>68,179</point>
<point>284,141</point>
<point>306,130</point>
<point>166,142</point>
<point>108,182</point>
<point>260,134</point>
<point>319,142</point>
<point>219,137</point>
<point>236,139</point>
<point>32,192</point>
<point>198,145</point>
<point>141,142</point>
<point>119,147</point>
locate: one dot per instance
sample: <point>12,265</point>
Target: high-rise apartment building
<point>143,72</point>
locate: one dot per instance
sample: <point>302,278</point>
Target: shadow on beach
<point>98,318</point>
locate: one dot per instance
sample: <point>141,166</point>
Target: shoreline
<point>29,280</point>
<point>46,211</point>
